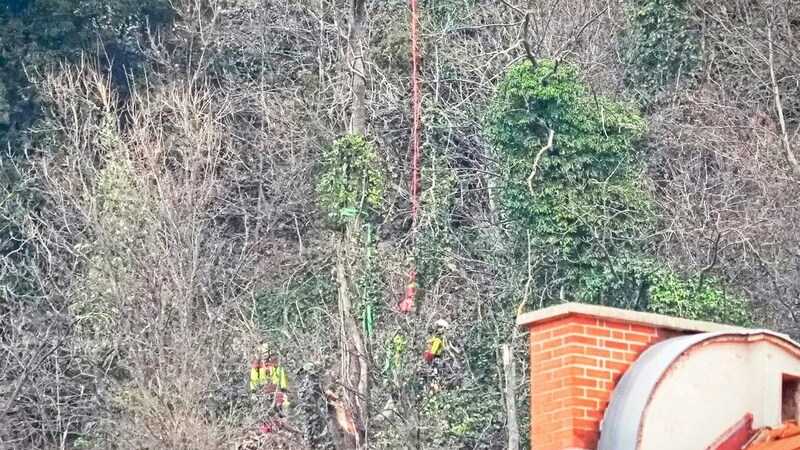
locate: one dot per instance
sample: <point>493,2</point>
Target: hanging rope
<point>407,305</point>
<point>415,115</point>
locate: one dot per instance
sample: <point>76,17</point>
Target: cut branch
<point>525,43</point>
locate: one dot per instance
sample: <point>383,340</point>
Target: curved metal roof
<point>622,422</point>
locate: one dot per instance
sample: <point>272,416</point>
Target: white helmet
<point>441,323</point>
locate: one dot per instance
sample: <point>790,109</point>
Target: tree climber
<point>258,376</point>
<point>436,342</point>
<point>267,376</point>
<point>434,352</point>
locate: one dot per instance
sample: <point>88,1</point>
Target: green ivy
<point>350,183</point>
<point>466,416</point>
<point>696,298</point>
<point>658,45</point>
<point>584,202</point>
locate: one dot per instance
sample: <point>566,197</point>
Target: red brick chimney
<point>578,354</point>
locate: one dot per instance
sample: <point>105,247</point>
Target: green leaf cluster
<point>350,182</point>
<point>697,298</point>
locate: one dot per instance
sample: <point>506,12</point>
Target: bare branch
<point>538,157</point>
<point>779,107</point>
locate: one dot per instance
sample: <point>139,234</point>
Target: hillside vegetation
<point>184,179</point>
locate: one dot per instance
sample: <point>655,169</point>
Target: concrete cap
<point>532,318</point>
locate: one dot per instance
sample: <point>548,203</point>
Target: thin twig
<point>711,264</point>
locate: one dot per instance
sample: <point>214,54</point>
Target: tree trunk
<point>358,82</point>
<point>355,373</point>
<point>355,368</point>
<point>511,398</point>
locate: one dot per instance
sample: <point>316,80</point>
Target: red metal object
<point>269,427</point>
<point>407,305</point>
<point>735,437</point>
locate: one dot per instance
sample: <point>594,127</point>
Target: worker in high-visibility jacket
<point>266,373</point>
<point>432,354</point>
<point>436,342</point>
<point>258,370</point>
<point>434,350</point>
<point>267,376</point>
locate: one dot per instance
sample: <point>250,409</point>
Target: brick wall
<point>576,361</point>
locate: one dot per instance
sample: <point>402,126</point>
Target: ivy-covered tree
<point>657,46</point>
<point>350,191</point>
<point>350,183</point>
<point>572,174</point>
<point>572,177</point>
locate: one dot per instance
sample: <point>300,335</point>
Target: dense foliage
<point>573,178</point>
<point>350,181</point>
<point>582,197</point>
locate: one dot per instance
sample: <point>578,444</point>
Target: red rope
<point>415,114</point>
<point>407,305</point>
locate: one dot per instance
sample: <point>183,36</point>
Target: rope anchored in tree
<point>407,305</point>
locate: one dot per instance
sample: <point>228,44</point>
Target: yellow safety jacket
<point>435,346</point>
<point>261,374</point>
<point>278,378</point>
